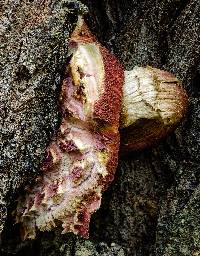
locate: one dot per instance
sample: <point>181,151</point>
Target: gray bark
<point>153,205</point>
<point>34,39</point>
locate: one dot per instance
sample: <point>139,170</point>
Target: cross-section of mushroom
<point>82,157</point>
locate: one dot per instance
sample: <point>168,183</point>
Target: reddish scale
<point>65,131</point>
<point>108,106</point>
<point>65,113</point>
<point>52,189</point>
<point>53,157</point>
<point>79,93</point>
<point>82,230</point>
<point>82,226</point>
<point>67,146</point>
<point>48,161</point>
<point>76,174</point>
<point>38,199</point>
<point>83,217</point>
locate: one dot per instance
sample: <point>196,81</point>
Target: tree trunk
<point>153,205</point>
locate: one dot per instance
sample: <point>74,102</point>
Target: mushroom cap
<point>154,102</point>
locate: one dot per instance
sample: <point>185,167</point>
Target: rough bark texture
<point>153,205</point>
<point>34,37</point>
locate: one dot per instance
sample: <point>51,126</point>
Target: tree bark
<point>153,205</point>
